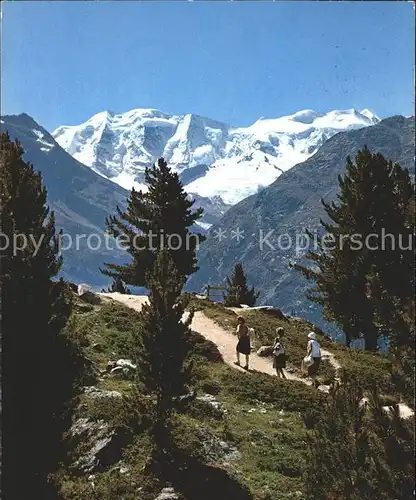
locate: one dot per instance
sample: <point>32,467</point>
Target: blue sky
<point>231,61</point>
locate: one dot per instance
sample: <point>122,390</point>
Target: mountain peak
<point>214,160</point>
<point>370,115</point>
<point>22,119</point>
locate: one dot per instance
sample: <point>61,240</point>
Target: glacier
<point>219,165</point>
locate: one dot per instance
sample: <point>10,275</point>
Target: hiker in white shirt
<point>314,351</point>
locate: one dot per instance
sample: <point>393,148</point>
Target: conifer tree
<point>338,448</point>
<point>359,450</point>
<point>160,218</point>
<point>238,291</point>
<point>40,366</point>
<point>403,372</point>
<point>363,269</point>
<point>162,343</point>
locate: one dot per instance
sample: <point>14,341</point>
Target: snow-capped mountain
<point>220,165</point>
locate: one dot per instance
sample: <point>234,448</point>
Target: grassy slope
<point>264,420</point>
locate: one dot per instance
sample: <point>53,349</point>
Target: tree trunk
<point>371,338</point>
<point>347,339</point>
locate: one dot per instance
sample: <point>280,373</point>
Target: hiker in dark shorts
<point>314,351</point>
<point>279,353</point>
<point>243,345</point>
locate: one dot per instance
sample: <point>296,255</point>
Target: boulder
<point>167,494</point>
<point>117,371</point>
<point>105,444</point>
<point>216,451</point>
<point>121,468</point>
<point>265,350</point>
<point>95,392</point>
<point>111,365</point>
<point>126,363</point>
<point>83,288</point>
<point>184,398</point>
<point>211,400</point>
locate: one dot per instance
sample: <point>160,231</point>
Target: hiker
<point>314,352</point>
<point>243,345</point>
<point>279,353</point>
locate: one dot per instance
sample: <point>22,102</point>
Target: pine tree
<point>162,343</point>
<point>359,450</point>
<point>392,450</point>
<point>403,372</point>
<point>238,291</point>
<point>338,448</point>
<point>364,278</point>
<point>160,218</point>
<point>40,366</point>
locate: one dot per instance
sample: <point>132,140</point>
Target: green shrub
<point>326,373</point>
<point>120,317</point>
<point>186,438</point>
<point>210,387</point>
<point>368,376</point>
<point>82,308</point>
<point>289,396</point>
<point>90,298</point>
<point>389,400</point>
<point>202,410</point>
<point>120,323</point>
<point>132,412</point>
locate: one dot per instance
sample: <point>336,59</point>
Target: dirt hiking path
<point>224,340</point>
<point>226,343</point>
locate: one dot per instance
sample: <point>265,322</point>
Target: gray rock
<point>186,397</point>
<point>121,468</point>
<point>111,365</point>
<point>105,444</point>
<point>265,350</point>
<point>98,433</point>
<point>95,392</point>
<point>212,401</point>
<point>167,494</point>
<point>83,289</point>
<point>216,450</point>
<point>117,371</point>
<point>126,363</point>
